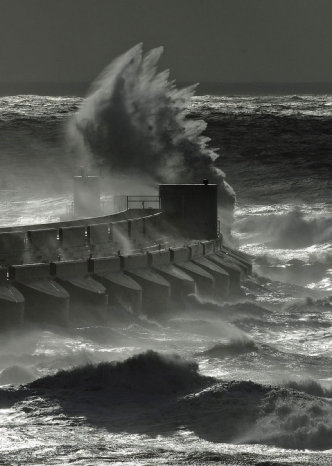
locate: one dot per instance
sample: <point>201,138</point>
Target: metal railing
<point>143,202</point>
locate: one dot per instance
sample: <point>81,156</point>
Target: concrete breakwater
<point>143,260</point>
<point>85,289</point>
<point>79,239</point>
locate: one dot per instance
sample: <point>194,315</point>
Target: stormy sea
<point>242,382</point>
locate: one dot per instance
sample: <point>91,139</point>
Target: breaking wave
<point>136,120</point>
<point>291,419</point>
<point>312,387</point>
<point>232,311</point>
<point>16,375</point>
<point>233,348</point>
<point>254,354</point>
<point>176,395</point>
<point>292,230</point>
<point>148,372</point>
<point>310,305</point>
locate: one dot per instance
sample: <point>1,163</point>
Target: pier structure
<point>142,259</point>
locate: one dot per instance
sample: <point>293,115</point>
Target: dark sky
<point>205,40</point>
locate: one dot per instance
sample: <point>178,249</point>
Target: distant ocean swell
<point>289,150</point>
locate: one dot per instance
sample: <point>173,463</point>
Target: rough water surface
<point>235,383</point>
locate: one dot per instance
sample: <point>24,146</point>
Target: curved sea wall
<point>86,290</point>
<point>82,270</point>
<point>79,239</point>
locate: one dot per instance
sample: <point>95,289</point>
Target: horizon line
<point>80,88</point>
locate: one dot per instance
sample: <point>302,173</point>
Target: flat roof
<point>187,184</point>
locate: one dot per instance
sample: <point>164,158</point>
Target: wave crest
<point>289,231</point>
<point>148,372</point>
<point>309,386</point>
<point>151,392</point>
<point>135,120</point>
<point>290,419</point>
<point>232,348</point>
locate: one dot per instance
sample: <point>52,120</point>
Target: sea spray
<point>290,229</point>
<point>135,121</point>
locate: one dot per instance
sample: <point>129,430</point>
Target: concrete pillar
<point>156,290</point>
<point>88,298</point>
<point>151,226</point>
<point>196,250</point>
<point>245,259</point>
<point>102,265</point>
<point>99,239</point>
<point>43,244</point>
<point>245,266</point>
<point>218,242</point>
<point>13,247</point>
<point>233,270</point>
<point>121,289</point>
<point>11,303</point>
<point>181,283</point>
<point>208,247</point>
<point>221,277</point>
<point>205,282</point>
<point>73,242</point>
<point>98,233</point>
<point>45,300</point>
<point>136,229</point>
<point>120,235</point>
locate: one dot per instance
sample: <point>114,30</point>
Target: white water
<point>159,410</point>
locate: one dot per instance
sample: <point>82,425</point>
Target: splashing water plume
<point>134,121</point>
